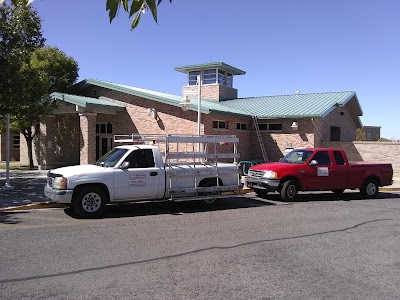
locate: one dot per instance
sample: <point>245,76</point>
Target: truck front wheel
<point>89,202</point>
<point>369,189</point>
<point>289,190</point>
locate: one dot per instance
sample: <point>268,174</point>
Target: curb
<point>38,205</point>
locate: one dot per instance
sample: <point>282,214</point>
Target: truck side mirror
<point>313,162</point>
<point>124,165</point>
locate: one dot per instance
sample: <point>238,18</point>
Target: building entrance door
<point>104,143</point>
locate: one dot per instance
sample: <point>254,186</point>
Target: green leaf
<point>112,6</point>
<point>136,20</point>
<point>125,3</point>
<point>136,5</point>
<point>153,8</point>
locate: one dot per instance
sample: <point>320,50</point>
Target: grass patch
<point>15,165</point>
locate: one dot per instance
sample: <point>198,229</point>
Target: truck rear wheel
<point>369,189</point>
<point>289,190</point>
<point>212,194</point>
<point>89,202</point>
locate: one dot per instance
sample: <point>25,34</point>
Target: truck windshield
<point>296,157</point>
<point>111,158</point>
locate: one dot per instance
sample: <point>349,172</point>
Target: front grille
<point>256,174</point>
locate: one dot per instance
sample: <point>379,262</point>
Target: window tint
<point>141,158</point>
<point>322,157</point>
<point>338,158</point>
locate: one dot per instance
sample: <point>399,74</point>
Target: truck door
<point>320,176</point>
<point>141,180</point>
<point>340,174</point>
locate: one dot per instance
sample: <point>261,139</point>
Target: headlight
<point>60,183</point>
<point>270,175</point>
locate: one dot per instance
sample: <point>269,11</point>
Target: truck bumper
<point>269,185</point>
<point>59,196</point>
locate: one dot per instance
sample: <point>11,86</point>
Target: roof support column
<point>45,144</point>
<point>88,138</point>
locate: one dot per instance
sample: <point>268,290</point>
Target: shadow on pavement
<point>9,217</point>
<point>175,208</point>
<point>328,196</point>
<point>24,191</point>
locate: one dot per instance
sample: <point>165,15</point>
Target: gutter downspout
<point>315,126</point>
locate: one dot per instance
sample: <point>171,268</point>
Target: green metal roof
<point>219,65</point>
<point>314,105</point>
<point>86,101</point>
<point>206,105</point>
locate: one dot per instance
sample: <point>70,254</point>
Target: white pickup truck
<point>187,168</point>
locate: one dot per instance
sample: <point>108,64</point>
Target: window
<point>16,141</point>
<point>221,77</point>
<point>210,76</point>
<point>322,157</point>
<point>141,158</point>
<point>335,134</point>
<point>229,79</point>
<point>104,128</point>
<point>241,126</point>
<point>193,77</point>
<point>220,125</point>
<point>339,159</point>
<point>270,126</point>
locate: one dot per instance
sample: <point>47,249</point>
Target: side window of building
<point>241,126</point>
<point>16,141</point>
<point>141,158</point>
<point>322,157</point>
<point>220,125</point>
<point>270,126</point>
<point>339,159</point>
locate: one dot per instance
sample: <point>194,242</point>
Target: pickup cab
<point>318,169</point>
<point>141,171</point>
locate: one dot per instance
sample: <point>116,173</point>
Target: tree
<point>20,34</point>
<point>134,7</point>
<point>137,7</point>
<point>360,135</point>
<point>48,70</point>
<point>29,71</point>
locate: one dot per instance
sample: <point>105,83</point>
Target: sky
<point>283,45</point>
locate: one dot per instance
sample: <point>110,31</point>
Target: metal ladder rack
<point>190,151</point>
<point>260,140</point>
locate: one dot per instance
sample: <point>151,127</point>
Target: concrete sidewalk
<point>27,190</point>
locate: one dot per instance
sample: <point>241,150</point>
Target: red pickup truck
<point>318,169</point>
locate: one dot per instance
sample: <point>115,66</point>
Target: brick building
<point>81,129</point>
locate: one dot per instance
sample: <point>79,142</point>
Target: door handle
<point>153,173</point>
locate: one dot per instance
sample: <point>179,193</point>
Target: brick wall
<point>14,152</point>
<point>340,117</point>
<point>63,143</point>
<point>210,91</point>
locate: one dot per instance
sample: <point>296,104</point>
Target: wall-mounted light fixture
<point>185,103</point>
<point>152,112</point>
<point>295,125</point>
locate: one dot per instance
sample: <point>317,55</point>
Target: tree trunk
<point>29,142</point>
